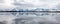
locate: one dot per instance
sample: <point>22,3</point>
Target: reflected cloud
<point>30,17</point>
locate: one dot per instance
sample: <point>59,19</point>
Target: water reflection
<point>29,13</point>
<point>29,18</point>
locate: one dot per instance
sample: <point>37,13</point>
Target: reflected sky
<point>31,17</point>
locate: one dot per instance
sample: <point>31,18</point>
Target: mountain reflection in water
<point>29,18</point>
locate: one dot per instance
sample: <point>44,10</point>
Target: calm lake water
<point>29,18</point>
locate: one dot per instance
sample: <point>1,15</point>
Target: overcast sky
<point>41,3</point>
